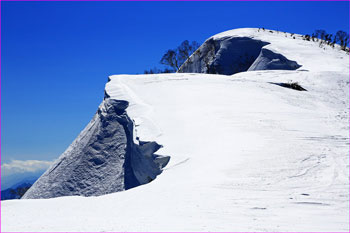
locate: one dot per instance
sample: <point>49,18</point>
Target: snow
<point>306,53</point>
<point>103,159</point>
<point>268,60</point>
<point>246,154</point>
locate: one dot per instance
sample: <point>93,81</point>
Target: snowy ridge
<point>139,111</point>
<point>104,158</point>
<point>247,154</point>
<point>277,42</point>
<point>295,49</point>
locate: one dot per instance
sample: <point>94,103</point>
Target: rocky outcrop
<point>103,159</point>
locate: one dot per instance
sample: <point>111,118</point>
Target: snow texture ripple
<point>103,159</point>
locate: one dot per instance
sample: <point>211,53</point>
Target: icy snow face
<point>269,60</point>
<point>230,55</point>
<point>250,49</point>
<point>224,55</point>
<point>103,159</point>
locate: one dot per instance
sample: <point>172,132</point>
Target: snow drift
<point>246,154</point>
<point>230,54</point>
<point>269,60</point>
<point>103,159</point>
<point>223,56</point>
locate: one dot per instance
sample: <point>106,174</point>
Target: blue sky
<point>56,56</point>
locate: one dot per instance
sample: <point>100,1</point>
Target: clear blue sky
<point>56,56</point>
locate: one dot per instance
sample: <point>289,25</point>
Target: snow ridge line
<point>139,111</point>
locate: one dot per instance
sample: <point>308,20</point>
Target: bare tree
<point>328,38</point>
<point>176,57</point>
<point>186,49</point>
<point>170,58</point>
<point>320,33</point>
<point>343,38</point>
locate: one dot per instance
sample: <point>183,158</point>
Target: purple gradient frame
<point>148,1</point>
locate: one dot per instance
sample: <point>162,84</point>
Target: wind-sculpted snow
<point>247,153</point>
<point>233,54</point>
<point>103,159</point>
<point>224,56</point>
<point>269,60</point>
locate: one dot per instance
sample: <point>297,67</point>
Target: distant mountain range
<point>17,190</point>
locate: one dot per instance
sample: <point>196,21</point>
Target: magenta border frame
<point>154,1</point>
<point>174,1</point>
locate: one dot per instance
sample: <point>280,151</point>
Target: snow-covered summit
<point>247,153</point>
<point>251,49</point>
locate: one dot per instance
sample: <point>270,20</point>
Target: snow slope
<point>246,154</point>
<point>251,49</point>
<point>103,159</point>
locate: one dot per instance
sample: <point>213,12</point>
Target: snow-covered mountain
<point>103,159</point>
<point>250,49</point>
<point>12,180</point>
<point>247,153</point>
